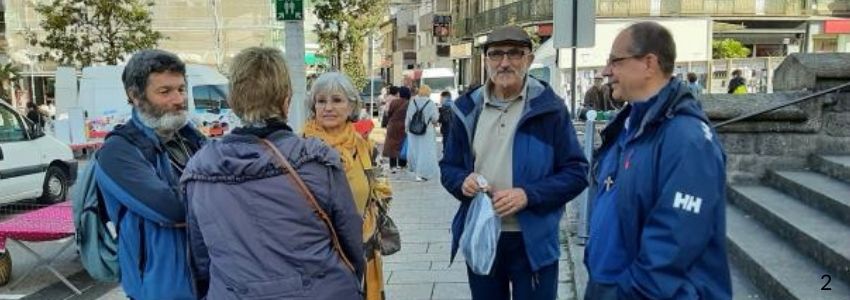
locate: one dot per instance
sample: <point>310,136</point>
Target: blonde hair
<point>260,87</point>
<point>332,83</point>
<point>424,91</point>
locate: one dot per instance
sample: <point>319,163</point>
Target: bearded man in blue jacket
<point>517,134</point>
<point>138,173</point>
<point>657,227</point>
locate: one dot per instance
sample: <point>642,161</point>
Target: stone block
<point>786,144</point>
<point>803,70</point>
<point>452,291</point>
<point>446,276</point>
<point>738,143</point>
<point>419,291</point>
<point>837,102</point>
<point>836,124</point>
<point>833,145</point>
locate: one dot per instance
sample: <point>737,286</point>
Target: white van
<point>32,164</point>
<point>104,101</point>
<point>439,80</point>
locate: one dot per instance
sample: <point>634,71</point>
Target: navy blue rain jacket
<point>671,201</point>
<point>548,164</point>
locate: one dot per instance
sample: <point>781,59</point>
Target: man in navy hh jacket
<point>516,133</point>
<point>138,172</point>
<point>657,228</point>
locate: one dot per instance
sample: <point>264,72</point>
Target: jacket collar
<point>675,98</point>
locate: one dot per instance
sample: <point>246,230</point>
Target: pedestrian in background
<point>396,130</point>
<point>529,186</point>
<point>738,85</point>
<point>255,234</point>
<point>693,85</point>
<point>446,113</point>
<point>138,172</point>
<point>657,229</point>
<point>332,110</point>
<point>422,148</point>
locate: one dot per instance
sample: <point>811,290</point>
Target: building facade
<point>767,27</point>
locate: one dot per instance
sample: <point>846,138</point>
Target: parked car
<point>372,98</point>
<point>32,164</point>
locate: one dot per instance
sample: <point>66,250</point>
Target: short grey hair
<point>145,62</point>
<point>652,38</point>
<point>331,83</point>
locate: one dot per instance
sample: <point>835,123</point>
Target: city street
<point>421,270</point>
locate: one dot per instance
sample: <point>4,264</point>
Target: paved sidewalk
<point>423,212</point>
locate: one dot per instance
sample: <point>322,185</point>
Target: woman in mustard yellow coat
<point>334,107</point>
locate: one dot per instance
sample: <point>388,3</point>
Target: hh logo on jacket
<point>687,202</point>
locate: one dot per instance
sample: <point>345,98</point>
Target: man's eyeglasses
<point>498,55</point>
<point>613,60</point>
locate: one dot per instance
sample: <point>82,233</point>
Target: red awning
<point>836,26</point>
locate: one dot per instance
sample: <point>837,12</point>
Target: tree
<point>729,48</point>
<point>7,73</point>
<point>86,32</point>
<point>342,29</point>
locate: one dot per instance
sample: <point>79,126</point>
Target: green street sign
<point>289,10</point>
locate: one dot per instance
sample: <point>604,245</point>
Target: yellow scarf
<point>355,153</point>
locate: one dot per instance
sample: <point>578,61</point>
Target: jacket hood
<point>241,157</point>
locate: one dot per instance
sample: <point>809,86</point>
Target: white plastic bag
<point>480,234</point>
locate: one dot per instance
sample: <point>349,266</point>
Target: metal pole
<point>584,204</point>
<point>371,82</point>
<point>573,91</point>
<point>294,40</point>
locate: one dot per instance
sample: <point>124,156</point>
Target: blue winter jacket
<point>548,164</point>
<point>670,201</point>
<point>143,197</point>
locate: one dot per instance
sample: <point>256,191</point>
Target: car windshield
<point>209,97</point>
<point>439,84</point>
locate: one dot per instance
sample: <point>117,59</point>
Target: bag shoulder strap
<point>284,165</point>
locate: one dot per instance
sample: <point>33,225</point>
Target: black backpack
<point>418,126</point>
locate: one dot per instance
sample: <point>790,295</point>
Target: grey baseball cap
<point>507,35</point>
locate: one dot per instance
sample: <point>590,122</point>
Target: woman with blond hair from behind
<point>256,229</point>
<point>334,107</point>
<point>422,147</point>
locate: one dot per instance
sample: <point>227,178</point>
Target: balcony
<point>526,12</point>
<point>833,8</point>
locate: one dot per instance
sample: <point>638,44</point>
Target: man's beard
<point>161,119</point>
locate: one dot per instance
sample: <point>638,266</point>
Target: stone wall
<point>786,138</point>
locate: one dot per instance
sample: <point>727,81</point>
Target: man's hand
<point>509,202</point>
<point>470,185</point>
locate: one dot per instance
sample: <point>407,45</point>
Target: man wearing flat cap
<point>517,134</point>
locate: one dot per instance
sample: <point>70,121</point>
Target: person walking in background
<point>34,115</point>
<point>738,85</point>
<point>693,85</point>
<point>332,108</point>
<point>392,94</point>
<point>422,147</point>
<point>597,96</point>
<point>396,130</point>
<point>657,229</point>
<point>516,133</point>
<point>138,171</point>
<point>254,233</point>
<point>446,113</point>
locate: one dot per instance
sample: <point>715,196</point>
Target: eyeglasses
<point>613,60</point>
<point>498,55</point>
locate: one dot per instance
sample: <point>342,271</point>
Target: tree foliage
<point>86,32</point>
<point>729,48</point>
<point>343,28</point>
